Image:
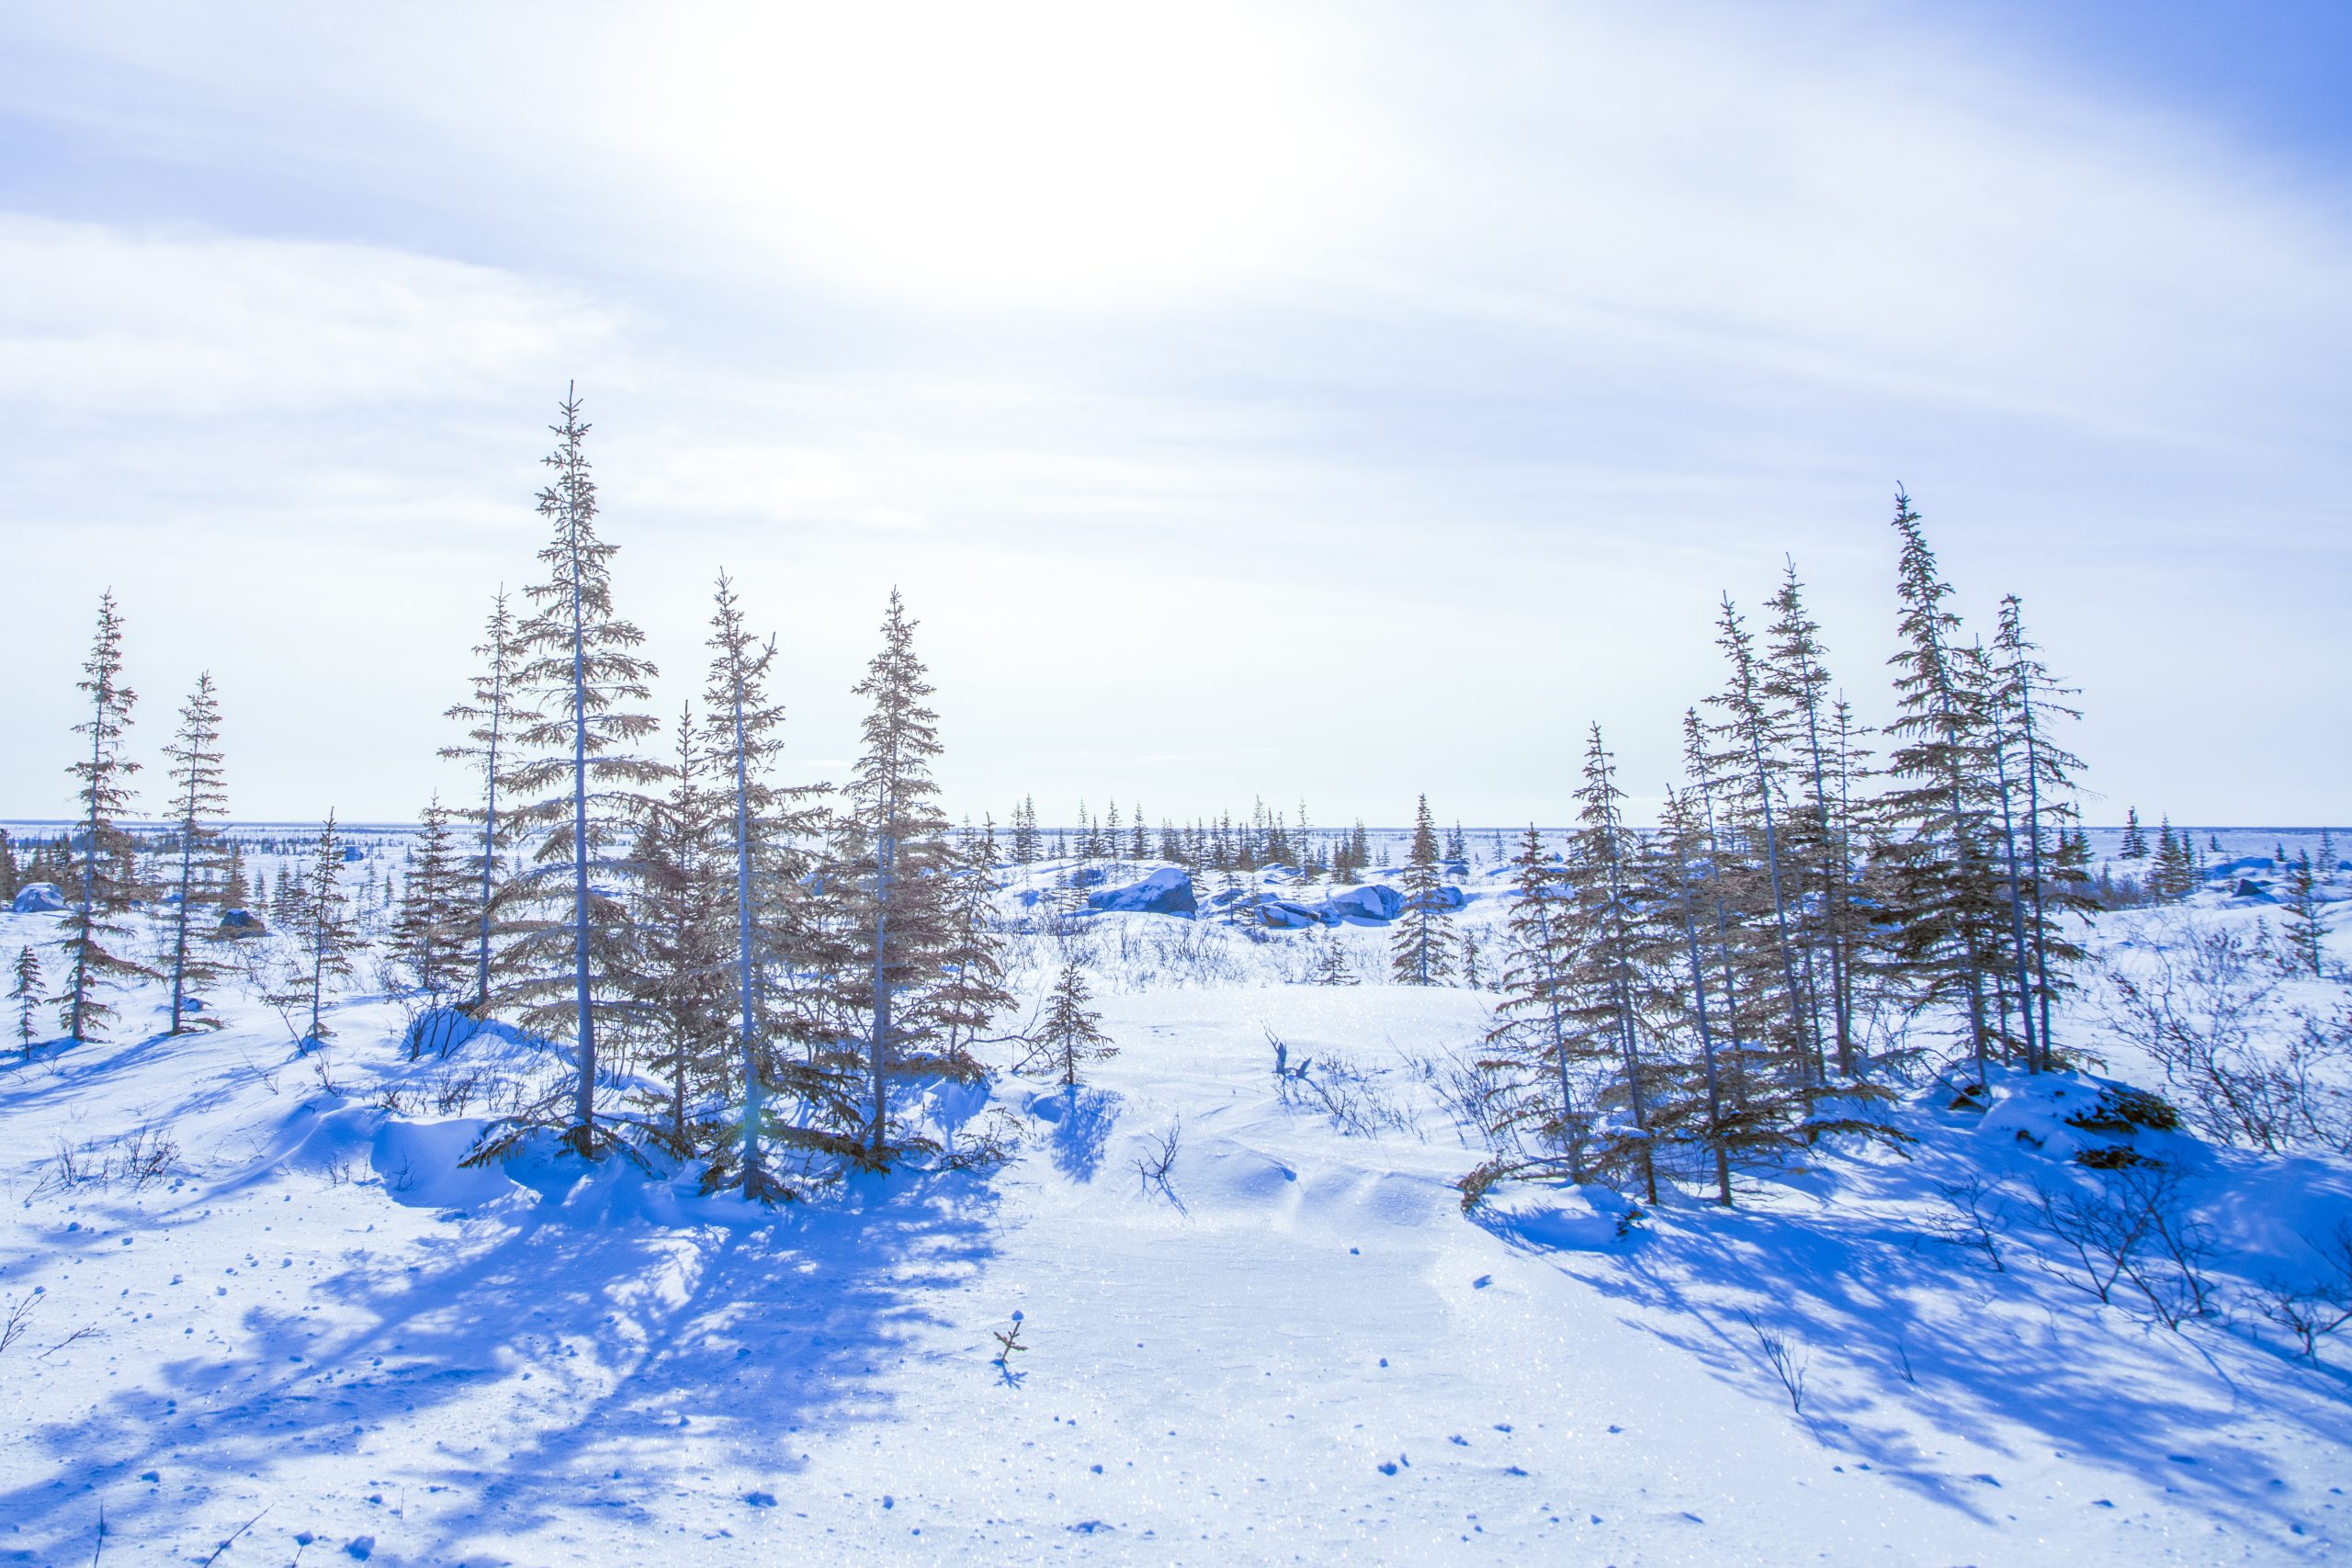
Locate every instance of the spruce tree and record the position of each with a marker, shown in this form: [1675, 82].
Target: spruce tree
[891, 855]
[763, 829]
[1797, 683]
[495, 714]
[2306, 924]
[199, 799]
[430, 933]
[1682, 874]
[1538, 1045]
[25, 991]
[235, 893]
[12, 877]
[1421, 950]
[1948, 912]
[1754, 731]
[682, 961]
[1070, 1034]
[1609, 985]
[569, 932]
[108, 870]
[327, 940]
[2030, 705]
[2135, 842]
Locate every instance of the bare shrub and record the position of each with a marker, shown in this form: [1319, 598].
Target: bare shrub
[1349, 1096]
[2251, 1069]
[2316, 1306]
[145, 1155]
[18, 1320]
[1152, 1168]
[1475, 1095]
[1980, 1217]
[2133, 1229]
[1788, 1361]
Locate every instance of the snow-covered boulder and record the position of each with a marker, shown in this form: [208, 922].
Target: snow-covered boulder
[241, 922]
[1283, 915]
[1448, 897]
[1166, 891]
[2249, 888]
[38, 898]
[1376, 902]
[353, 853]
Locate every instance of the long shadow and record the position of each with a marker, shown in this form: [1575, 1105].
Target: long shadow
[601, 1335]
[1988, 1358]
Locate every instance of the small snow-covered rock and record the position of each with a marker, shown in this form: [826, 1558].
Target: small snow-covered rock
[38, 898]
[1166, 891]
[1283, 915]
[241, 922]
[1376, 902]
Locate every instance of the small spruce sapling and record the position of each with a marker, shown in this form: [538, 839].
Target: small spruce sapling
[1070, 1034]
[25, 991]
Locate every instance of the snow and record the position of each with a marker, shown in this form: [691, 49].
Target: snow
[1300, 1349]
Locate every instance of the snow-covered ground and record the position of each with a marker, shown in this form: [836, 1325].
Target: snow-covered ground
[1300, 1349]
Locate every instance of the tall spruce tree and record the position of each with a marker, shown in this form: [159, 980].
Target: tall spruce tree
[1539, 1045]
[108, 871]
[891, 856]
[1683, 878]
[2031, 705]
[570, 934]
[495, 714]
[1421, 950]
[1610, 985]
[1948, 910]
[199, 798]
[764, 831]
[1796, 681]
[1751, 766]
[682, 959]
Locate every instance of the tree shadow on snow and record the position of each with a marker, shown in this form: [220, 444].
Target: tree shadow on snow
[1992, 1358]
[602, 1336]
[1081, 1120]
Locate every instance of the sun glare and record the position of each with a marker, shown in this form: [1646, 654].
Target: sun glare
[1067, 155]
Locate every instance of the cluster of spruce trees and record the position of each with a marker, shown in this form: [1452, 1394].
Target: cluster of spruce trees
[1224, 845]
[788, 963]
[106, 872]
[1711, 992]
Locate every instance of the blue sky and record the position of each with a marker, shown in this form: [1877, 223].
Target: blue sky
[1335, 401]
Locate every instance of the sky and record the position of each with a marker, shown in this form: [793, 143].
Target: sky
[1307, 402]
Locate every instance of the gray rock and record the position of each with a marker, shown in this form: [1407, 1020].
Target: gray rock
[1378, 902]
[38, 898]
[1166, 891]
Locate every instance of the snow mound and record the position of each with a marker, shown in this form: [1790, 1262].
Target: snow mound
[1562, 1218]
[2091, 1121]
